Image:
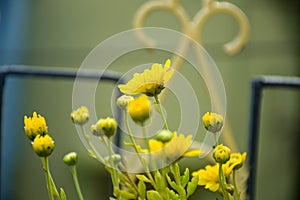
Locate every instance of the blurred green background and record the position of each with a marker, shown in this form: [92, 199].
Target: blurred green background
[61, 33]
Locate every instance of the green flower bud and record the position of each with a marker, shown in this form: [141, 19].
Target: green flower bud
[108, 126]
[71, 159]
[115, 158]
[43, 145]
[80, 116]
[221, 154]
[123, 101]
[213, 122]
[164, 136]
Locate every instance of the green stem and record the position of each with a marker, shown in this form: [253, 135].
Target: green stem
[223, 183]
[157, 102]
[47, 173]
[115, 178]
[145, 134]
[216, 139]
[236, 191]
[76, 182]
[147, 171]
[92, 148]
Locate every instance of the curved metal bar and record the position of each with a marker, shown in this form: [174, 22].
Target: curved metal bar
[151, 6]
[212, 8]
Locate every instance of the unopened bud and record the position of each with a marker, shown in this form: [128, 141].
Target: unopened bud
[71, 159]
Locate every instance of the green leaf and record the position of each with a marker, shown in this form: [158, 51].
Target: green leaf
[173, 195]
[172, 183]
[192, 186]
[143, 178]
[153, 195]
[142, 189]
[159, 181]
[62, 194]
[123, 194]
[185, 177]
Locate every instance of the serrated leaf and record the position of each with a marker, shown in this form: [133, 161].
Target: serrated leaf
[185, 177]
[175, 169]
[143, 178]
[192, 186]
[123, 194]
[172, 183]
[173, 195]
[142, 189]
[62, 194]
[153, 195]
[159, 181]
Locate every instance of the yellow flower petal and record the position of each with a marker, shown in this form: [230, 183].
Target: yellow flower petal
[150, 82]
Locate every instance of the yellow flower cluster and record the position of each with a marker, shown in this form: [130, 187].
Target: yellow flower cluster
[37, 131]
[209, 177]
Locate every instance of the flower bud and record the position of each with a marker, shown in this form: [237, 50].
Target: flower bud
[221, 154]
[213, 122]
[108, 126]
[237, 160]
[123, 101]
[164, 136]
[115, 158]
[71, 159]
[139, 109]
[80, 116]
[43, 146]
[35, 125]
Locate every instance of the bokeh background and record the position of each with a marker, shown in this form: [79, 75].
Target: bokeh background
[61, 33]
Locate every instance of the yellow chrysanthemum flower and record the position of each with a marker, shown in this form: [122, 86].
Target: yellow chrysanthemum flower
[139, 109]
[150, 82]
[35, 125]
[209, 177]
[177, 147]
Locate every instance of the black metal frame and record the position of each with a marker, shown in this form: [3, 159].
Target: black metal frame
[57, 73]
[258, 85]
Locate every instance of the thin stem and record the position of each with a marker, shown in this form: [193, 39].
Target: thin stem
[46, 170]
[236, 191]
[92, 148]
[115, 178]
[76, 182]
[145, 134]
[216, 139]
[157, 102]
[147, 171]
[223, 183]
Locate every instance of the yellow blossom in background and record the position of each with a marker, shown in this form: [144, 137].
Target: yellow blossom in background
[237, 160]
[43, 146]
[209, 177]
[35, 125]
[80, 116]
[139, 109]
[213, 122]
[178, 146]
[150, 82]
